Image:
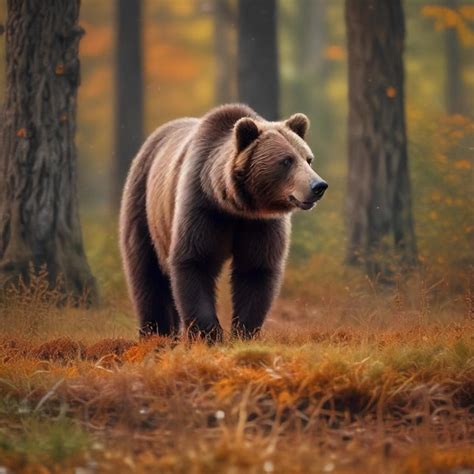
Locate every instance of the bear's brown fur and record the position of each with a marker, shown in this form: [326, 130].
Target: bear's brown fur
[201, 191]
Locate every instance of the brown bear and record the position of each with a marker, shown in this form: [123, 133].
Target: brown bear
[201, 191]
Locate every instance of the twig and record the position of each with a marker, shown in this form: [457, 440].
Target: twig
[49, 394]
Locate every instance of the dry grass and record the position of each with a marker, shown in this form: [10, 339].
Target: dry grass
[348, 377]
[304, 400]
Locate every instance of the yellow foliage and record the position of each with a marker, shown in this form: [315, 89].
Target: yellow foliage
[444, 17]
[467, 11]
[462, 165]
[457, 18]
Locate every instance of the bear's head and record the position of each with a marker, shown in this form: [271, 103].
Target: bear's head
[272, 165]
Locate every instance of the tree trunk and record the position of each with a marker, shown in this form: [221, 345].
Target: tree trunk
[128, 92]
[378, 193]
[225, 77]
[39, 219]
[258, 73]
[455, 100]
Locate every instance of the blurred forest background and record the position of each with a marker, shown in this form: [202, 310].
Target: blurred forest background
[187, 62]
[361, 368]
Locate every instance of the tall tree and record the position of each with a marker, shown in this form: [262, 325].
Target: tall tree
[258, 74]
[455, 99]
[39, 219]
[128, 91]
[378, 192]
[223, 19]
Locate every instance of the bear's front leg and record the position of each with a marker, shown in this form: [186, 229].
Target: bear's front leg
[252, 297]
[197, 254]
[194, 293]
[259, 253]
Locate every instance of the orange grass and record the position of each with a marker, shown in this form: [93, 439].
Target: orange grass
[348, 377]
[303, 401]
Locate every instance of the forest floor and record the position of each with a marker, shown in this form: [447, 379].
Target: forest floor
[79, 394]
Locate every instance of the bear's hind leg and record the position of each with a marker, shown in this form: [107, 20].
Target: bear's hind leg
[150, 288]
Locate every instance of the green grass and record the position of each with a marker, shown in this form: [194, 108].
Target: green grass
[37, 440]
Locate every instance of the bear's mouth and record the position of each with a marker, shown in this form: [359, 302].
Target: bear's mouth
[305, 205]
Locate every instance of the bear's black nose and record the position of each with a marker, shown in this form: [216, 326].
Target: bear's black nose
[318, 187]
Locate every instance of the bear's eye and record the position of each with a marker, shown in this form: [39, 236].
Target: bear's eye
[309, 160]
[287, 161]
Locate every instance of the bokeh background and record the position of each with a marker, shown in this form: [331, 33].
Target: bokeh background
[350, 374]
[182, 52]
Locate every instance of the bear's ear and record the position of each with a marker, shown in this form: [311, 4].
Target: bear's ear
[299, 124]
[246, 131]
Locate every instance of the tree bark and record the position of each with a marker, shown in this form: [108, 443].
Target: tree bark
[258, 73]
[225, 89]
[128, 92]
[379, 215]
[39, 219]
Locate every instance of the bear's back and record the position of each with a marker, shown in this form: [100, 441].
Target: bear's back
[202, 139]
[163, 181]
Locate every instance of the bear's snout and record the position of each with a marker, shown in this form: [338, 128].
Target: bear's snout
[318, 188]
[306, 195]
